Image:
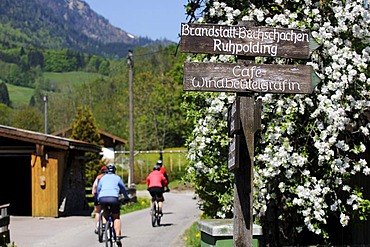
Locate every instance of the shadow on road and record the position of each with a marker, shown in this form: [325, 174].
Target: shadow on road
[167, 224]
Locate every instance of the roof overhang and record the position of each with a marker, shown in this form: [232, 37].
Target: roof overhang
[46, 140]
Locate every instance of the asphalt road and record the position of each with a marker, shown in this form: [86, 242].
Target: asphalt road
[180, 211]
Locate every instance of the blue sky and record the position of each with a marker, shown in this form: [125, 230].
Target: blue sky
[155, 19]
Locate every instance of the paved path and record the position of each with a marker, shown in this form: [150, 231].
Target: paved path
[180, 211]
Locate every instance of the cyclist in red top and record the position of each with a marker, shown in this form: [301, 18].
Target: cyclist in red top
[97, 206]
[156, 183]
[164, 172]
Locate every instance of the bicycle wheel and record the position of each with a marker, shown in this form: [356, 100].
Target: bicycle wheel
[100, 227]
[154, 213]
[109, 233]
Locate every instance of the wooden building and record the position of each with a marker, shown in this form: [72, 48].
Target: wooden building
[42, 175]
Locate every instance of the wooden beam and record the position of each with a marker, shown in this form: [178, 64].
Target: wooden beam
[243, 186]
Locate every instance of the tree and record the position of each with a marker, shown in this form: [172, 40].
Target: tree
[104, 68]
[35, 58]
[4, 94]
[84, 129]
[37, 99]
[5, 114]
[159, 121]
[94, 64]
[313, 148]
[29, 119]
[58, 61]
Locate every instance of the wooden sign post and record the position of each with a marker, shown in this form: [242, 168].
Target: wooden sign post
[246, 78]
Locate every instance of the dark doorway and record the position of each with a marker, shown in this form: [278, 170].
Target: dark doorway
[15, 184]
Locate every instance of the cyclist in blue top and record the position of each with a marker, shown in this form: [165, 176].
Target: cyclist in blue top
[110, 187]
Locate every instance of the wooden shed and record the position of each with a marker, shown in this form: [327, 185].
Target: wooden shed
[42, 175]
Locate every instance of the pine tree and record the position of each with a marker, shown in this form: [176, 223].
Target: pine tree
[85, 129]
[4, 94]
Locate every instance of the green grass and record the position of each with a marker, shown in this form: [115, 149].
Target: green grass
[191, 236]
[19, 96]
[142, 203]
[67, 79]
[174, 162]
[141, 186]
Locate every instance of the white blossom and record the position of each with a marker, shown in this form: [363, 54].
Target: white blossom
[335, 107]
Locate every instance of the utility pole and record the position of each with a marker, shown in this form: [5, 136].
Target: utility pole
[130, 62]
[46, 113]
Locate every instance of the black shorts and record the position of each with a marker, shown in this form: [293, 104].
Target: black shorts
[112, 202]
[156, 192]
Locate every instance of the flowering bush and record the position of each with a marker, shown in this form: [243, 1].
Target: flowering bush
[311, 146]
[208, 151]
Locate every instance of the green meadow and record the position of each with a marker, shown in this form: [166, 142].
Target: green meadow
[70, 79]
[20, 96]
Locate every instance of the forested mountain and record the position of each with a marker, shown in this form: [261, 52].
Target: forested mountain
[61, 24]
[61, 49]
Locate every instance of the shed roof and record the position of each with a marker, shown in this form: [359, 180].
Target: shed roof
[109, 139]
[47, 140]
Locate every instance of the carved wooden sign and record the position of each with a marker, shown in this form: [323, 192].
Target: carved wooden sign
[262, 78]
[246, 41]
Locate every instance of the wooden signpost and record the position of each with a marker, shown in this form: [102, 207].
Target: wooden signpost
[246, 78]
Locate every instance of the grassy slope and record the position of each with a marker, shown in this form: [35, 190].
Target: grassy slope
[70, 78]
[20, 96]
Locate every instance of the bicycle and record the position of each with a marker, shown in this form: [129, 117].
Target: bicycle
[155, 214]
[106, 229]
[101, 227]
